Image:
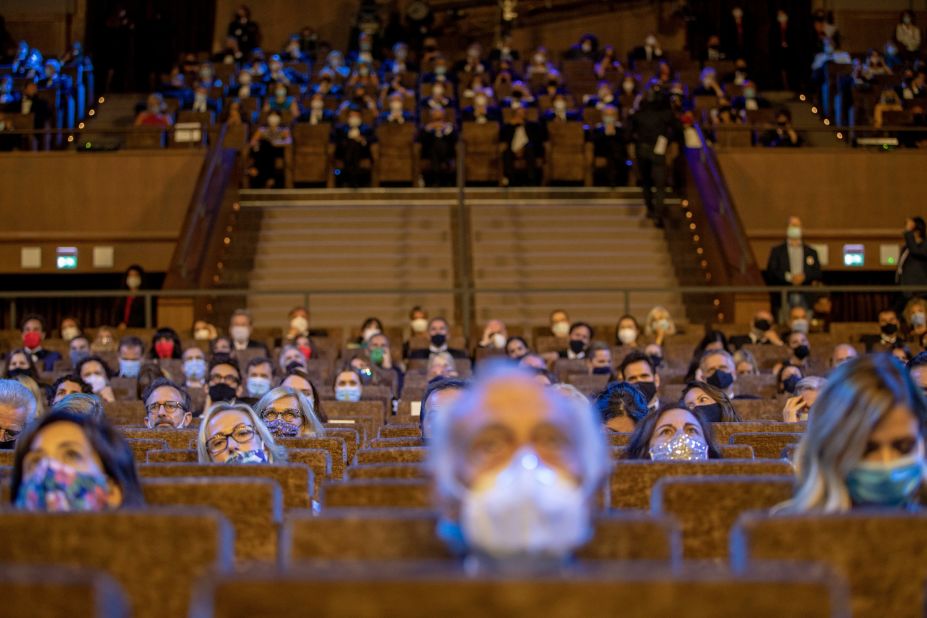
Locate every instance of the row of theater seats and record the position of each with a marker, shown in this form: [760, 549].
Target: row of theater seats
[375, 501]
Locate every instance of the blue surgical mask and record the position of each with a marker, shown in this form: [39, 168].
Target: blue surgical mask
[348, 393]
[890, 484]
[258, 387]
[77, 356]
[195, 368]
[129, 368]
[720, 379]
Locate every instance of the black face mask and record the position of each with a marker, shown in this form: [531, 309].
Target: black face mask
[601, 371]
[889, 329]
[438, 340]
[647, 389]
[721, 379]
[801, 352]
[9, 445]
[577, 346]
[711, 412]
[656, 360]
[221, 392]
[762, 325]
[789, 384]
[12, 374]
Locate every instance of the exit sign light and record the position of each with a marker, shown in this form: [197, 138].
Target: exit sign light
[66, 258]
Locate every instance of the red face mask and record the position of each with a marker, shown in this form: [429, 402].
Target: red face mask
[164, 348]
[32, 339]
[306, 350]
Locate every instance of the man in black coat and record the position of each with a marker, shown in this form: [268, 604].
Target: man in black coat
[653, 127]
[912, 263]
[522, 139]
[793, 263]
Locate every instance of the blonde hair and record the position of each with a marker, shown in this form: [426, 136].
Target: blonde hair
[858, 395]
[311, 422]
[275, 453]
[652, 317]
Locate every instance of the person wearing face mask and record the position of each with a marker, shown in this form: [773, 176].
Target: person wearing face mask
[244, 30]
[259, 376]
[194, 368]
[494, 336]
[248, 87]
[716, 367]
[709, 403]
[889, 333]
[70, 462]
[154, 115]
[637, 369]
[659, 325]
[915, 314]
[131, 353]
[908, 35]
[579, 338]
[395, 112]
[793, 263]
[201, 102]
[368, 329]
[587, 48]
[762, 332]
[559, 324]
[353, 142]
[33, 334]
[68, 384]
[438, 331]
[441, 365]
[610, 147]
[650, 51]
[750, 100]
[240, 327]
[798, 407]
[232, 433]
[129, 311]
[799, 320]
[517, 348]
[348, 386]
[288, 413]
[165, 344]
[787, 378]
[516, 467]
[18, 410]
[279, 100]
[912, 262]
[94, 371]
[482, 108]
[800, 348]
[267, 149]
[561, 111]
[674, 434]
[438, 139]
[599, 360]
[224, 380]
[864, 444]
[69, 328]
[167, 405]
[317, 113]
[783, 135]
[627, 332]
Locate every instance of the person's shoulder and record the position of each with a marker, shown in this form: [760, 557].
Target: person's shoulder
[418, 353]
[455, 353]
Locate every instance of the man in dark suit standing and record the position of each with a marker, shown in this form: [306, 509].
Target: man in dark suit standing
[522, 139]
[793, 263]
[240, 328]
[912, 263]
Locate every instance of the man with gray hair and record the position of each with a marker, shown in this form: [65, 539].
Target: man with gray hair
[17, 409]
[798, 408]
[517, 467]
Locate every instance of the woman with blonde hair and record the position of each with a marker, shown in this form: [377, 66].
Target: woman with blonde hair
[233, 433]
[659, 324]
[287, 413]
[864, 445]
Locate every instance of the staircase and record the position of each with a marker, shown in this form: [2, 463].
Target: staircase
[533, 243]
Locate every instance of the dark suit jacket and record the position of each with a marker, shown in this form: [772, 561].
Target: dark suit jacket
[424, 353]
[47, 359]
[534, 131]
[256, 345]
[136, 312]
[914, 269]
[778, 265]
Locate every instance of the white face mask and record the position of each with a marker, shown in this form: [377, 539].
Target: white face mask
[354, 121]
[300, 324]
[273, 121]
[69, 332]
[793, 232]
[627, 336]
[96, 381]
[498, 341]
[799, 326]
[395, 106]
[419, 325]
[480, 101]
[318, 105]
[560, 329]
[240, 334]
[437, 91]
[628, 86]
[134, 282]
[348, 393]
[201, 334]
[559, 105]
[244, 79]
[370, 332]
[527, 509]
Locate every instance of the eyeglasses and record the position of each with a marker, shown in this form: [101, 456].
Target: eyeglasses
[230, 379]
[171, 406]
[219, 443]
[8, 435]
[287, 415]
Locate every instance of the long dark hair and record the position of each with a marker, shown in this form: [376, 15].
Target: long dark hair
[728, 413]
[166, 333]
[32, 371]
[639, 445]
[711, 336]
[114, 452]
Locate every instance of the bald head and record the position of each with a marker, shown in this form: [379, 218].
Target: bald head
[842, 353]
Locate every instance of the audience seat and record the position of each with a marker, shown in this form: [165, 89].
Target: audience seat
[707, 507]
[312, 154]
[633, 480]
[319, 461]
[134, 547]
[350, 435]
[482, 162]
[400, 154]
[568, 156]
[254, 507]
[172, 456]
[395, 443]
[129, 412]
[426, 589]
[401, 431]
[55, 591]
[141, 447]
[296, 480]
[181, 439]
[759, 409]
[388, 471]
[724, 431]
[377, 493]
[335, 446]
[371, 415]
[881, 554]
[767, 445]
[407, 454]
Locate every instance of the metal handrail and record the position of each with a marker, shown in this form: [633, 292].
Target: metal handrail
[626, 292]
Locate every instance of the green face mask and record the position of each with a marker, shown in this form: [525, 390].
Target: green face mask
[376, 356]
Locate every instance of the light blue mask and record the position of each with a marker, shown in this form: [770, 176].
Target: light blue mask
[891, 484]
[129, 368]
[195, 368]
[348, 393]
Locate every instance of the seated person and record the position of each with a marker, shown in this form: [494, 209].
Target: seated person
[233, 434]
[609, 143]
[441, 365]
[439, 140]
[599, 360]
[280, 101]
[194, 368]
[224, 380]
[94, 371]
[659, 324]
[783, 135]
[522, 140]
[201, 101]
[798, 408]
[317, 113]
[353, 141]
[348, 386]
[520, 96]
[608, 63]
[438, 99]
[745, 363]
[864, 445]
[638, 369]
[674, 434]
[395, 112]
[131, 351]
[560, 112]
[33, 334]
[495, 335]
[167, 405]
[18, 409]
[268, 148]
[708, 84]
[437, 331]
[326, 86]
[68, 384]
[580, 336]
[762, 331]
[709, 402]
[889, 332]
[440, 395]
[154, 114]
[787, 378]
[602, 98]
[750, 100]
[517, 348]
[246, 88]
[288, 413]
[481, 111]
[842, 353]
[73, 462]
[240, 330]
[517, 469]
[259, 374]
[621, 406]
[797, 344]
[299, 380]
[716, 367]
